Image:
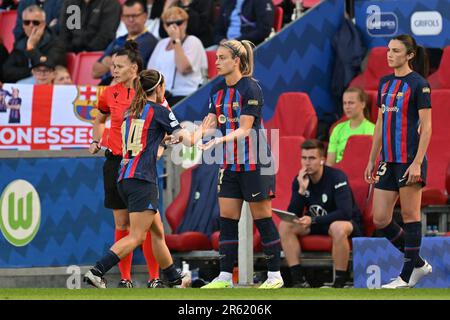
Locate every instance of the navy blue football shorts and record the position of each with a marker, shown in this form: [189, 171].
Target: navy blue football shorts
[390, 175]
[250, 186]
[138, 195]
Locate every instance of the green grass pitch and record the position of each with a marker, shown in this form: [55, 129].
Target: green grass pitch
[224, 294]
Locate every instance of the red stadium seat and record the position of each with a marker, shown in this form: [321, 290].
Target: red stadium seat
[441, 78]
[309, 3]
[212, 71]
[438, 151]
[7, 24]
[294, 116]
[186, 241]
[373, 94]
[71, 61]
[277, 2]
[342, 119]
[83, 68]
[377, 67]
[278, 19]
[356, 156]
[447, 179]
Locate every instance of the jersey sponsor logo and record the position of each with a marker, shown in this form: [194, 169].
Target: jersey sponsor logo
[222, 119]
[253, 102]
[317, 210]
[341, 184]
[174, 123]
[426, 90]
[389, 109]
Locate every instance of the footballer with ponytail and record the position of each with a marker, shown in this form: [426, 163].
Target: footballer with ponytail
[402, 135]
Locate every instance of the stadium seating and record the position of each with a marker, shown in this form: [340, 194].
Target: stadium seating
[278, 19]
[83, 68]
[441, 78]
[377, 67]
[294, 116]
[373, 94]
[71, 61]
[308, 3]
[438, 151]
[447, 179]
[186, 241]
[212, 71]
[7, 24]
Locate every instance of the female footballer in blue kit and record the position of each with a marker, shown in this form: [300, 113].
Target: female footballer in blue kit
[144, 128]
[235, 108]
[402, 133]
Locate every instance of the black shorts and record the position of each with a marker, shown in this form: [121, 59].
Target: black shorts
[322, 229]
[110, 175]
[139, 195]
[248, 185]
[390, 175]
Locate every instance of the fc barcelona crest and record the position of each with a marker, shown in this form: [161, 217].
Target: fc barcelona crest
[85, 104]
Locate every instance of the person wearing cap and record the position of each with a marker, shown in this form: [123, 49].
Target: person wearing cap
[40, 45]
[43, 73]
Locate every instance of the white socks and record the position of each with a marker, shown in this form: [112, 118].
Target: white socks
[271, 275]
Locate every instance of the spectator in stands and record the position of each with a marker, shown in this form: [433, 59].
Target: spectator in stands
[97, 26]
[9, 4]
[200, 23]
[43, 73]
[62, 76]
[355, 105]
[181, 58]
[244, 20]
[134, 15]
[330, 210]
[40, 45]
[402, 134]
[154, 12]
[52, 10]
[3, 56]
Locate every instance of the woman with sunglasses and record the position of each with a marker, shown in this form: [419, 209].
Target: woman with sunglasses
[181, 58]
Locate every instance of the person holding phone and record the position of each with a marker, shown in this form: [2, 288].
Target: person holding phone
[330, 210]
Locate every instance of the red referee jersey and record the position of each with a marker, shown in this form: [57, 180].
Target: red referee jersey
[114, 101]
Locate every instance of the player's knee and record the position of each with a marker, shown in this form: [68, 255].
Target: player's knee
[380, 223]
[285, 229]
[337, 231]
[138, 238]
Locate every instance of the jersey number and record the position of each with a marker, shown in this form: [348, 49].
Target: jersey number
[133, 145]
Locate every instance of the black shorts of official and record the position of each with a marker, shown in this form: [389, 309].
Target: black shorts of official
[322, 229]
[250, 186]
[139, 195]
[390, 175]
[110, 175]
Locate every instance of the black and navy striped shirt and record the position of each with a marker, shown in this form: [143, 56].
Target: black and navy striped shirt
[228, 103]
[400, 99]
[141, 138]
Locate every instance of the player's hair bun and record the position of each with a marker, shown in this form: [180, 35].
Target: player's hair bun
[131, 45]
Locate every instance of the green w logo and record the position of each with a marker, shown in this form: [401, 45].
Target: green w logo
[20, 218]
[20, 212]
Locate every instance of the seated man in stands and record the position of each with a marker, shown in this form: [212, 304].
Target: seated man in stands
[52, 10]
[355, 105]
[94, 29]
[134, 15]
[39, 45]
[244, 20]
[330, 210]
